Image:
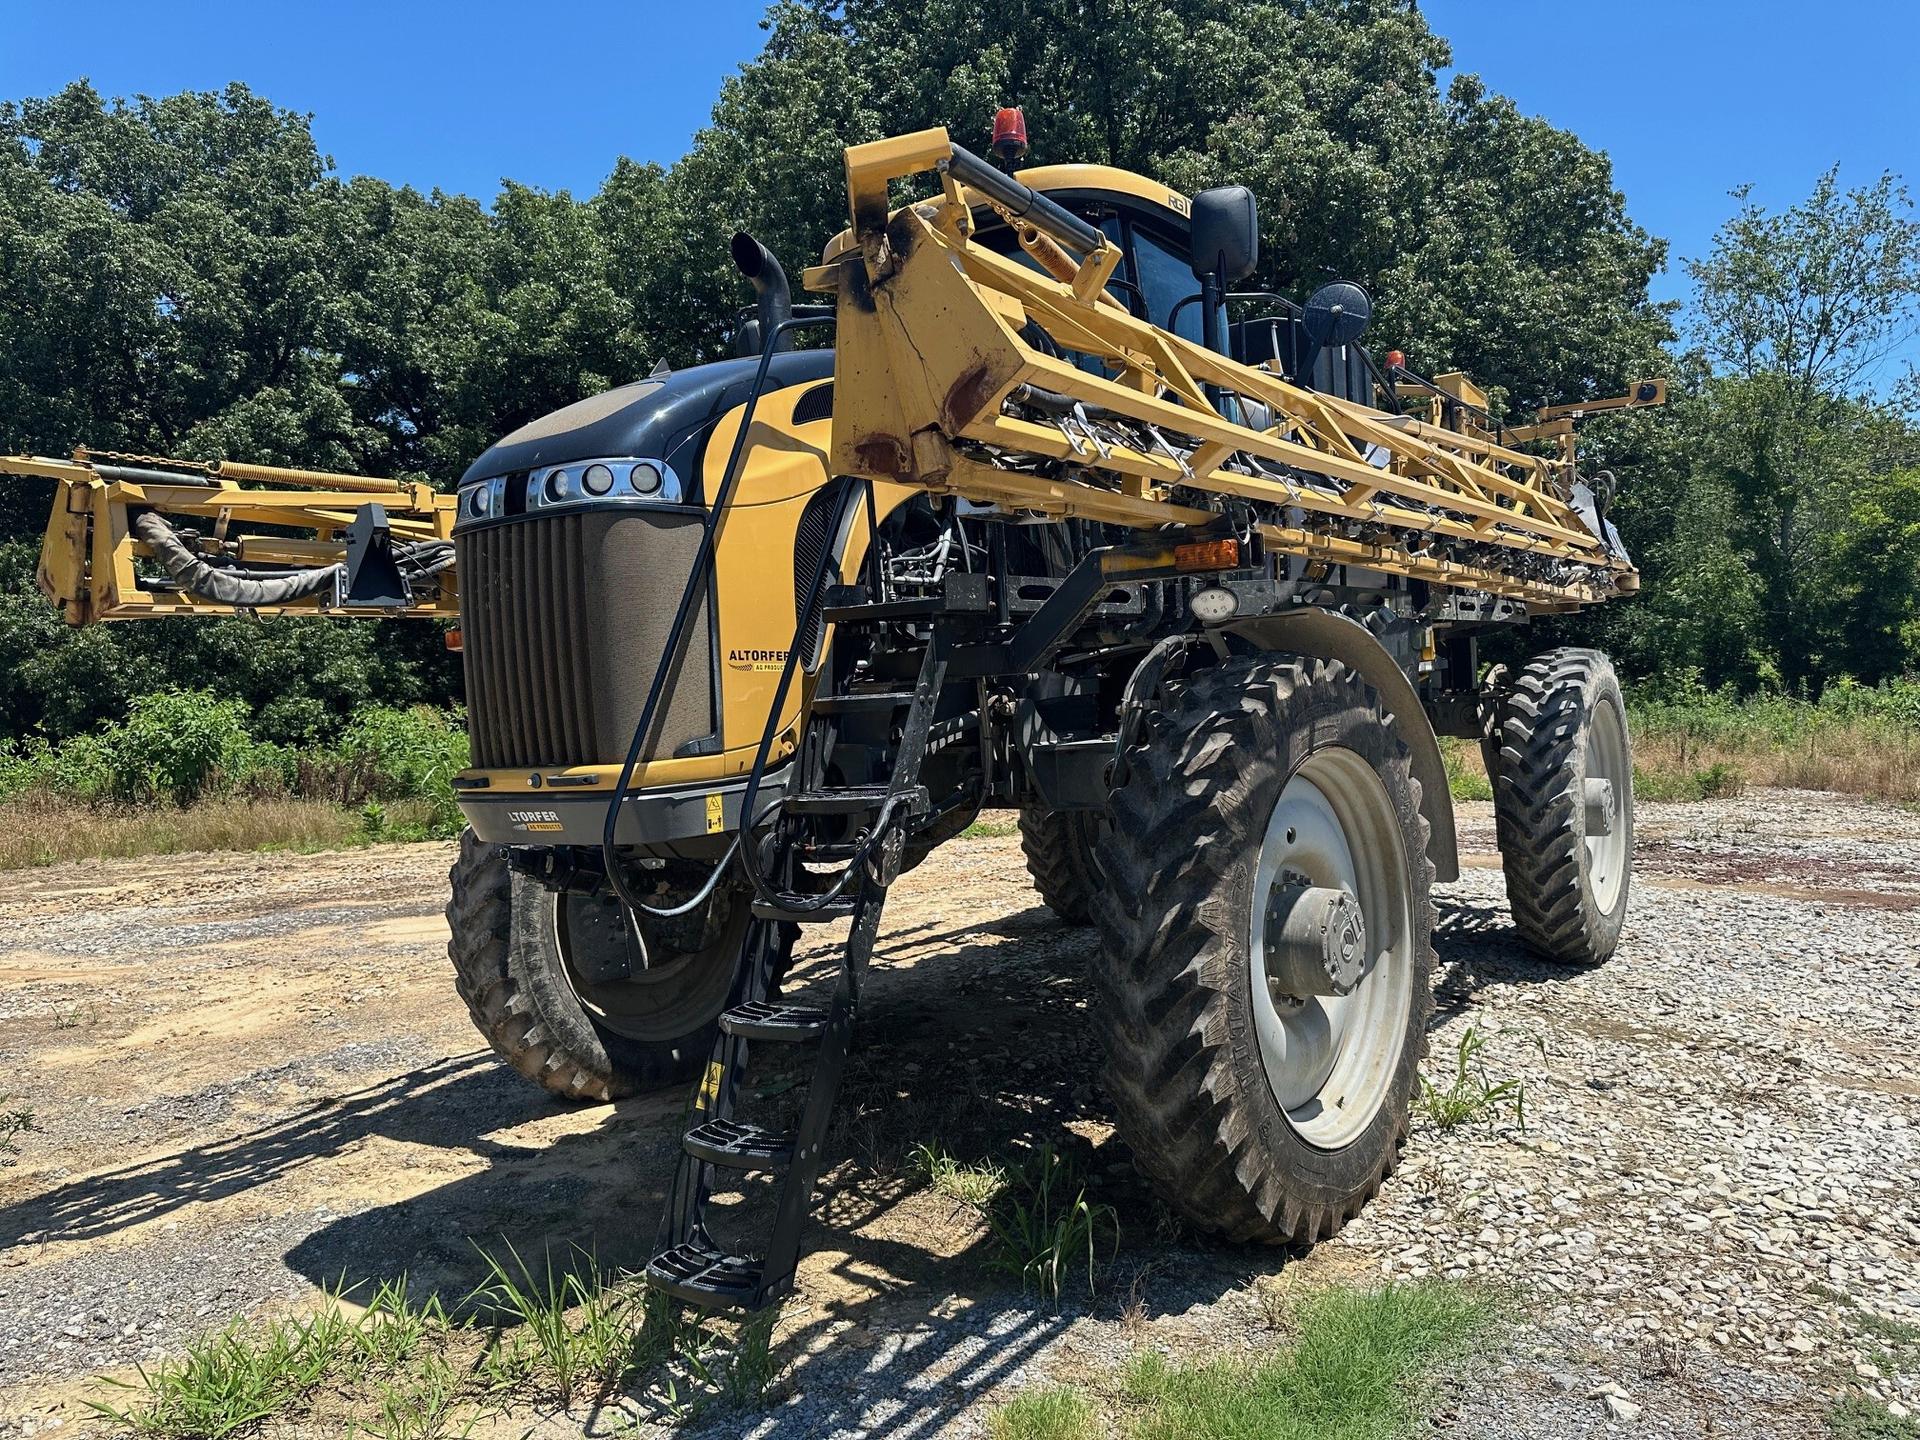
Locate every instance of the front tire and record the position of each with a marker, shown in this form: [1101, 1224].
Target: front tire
[1257, 1112]
[1563, 805]
[532, 968]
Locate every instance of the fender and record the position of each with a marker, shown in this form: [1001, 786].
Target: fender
[1330, 635]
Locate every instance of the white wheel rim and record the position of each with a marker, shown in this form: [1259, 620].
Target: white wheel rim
[1330, 1061]
[1607, 760]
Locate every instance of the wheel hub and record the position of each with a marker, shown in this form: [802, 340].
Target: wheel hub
[1315, 942]
[1600, 806]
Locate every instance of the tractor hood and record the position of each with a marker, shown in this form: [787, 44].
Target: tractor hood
[665, 417]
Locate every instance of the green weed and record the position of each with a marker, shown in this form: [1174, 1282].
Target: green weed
[1353, 1372]
[1043, 1224]
[233, 1378]
[1855, 1417]
[420, 1404]
[1470, 1095]
[573, 1330]
[15, 1121]
[974, 1185]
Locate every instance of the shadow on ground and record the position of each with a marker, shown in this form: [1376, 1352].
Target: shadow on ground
[974, 1037]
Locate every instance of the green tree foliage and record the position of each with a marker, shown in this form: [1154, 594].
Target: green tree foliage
[189, 276]
[1773, 507]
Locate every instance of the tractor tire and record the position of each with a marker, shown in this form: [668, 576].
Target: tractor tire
[581, 1039]
[1059, 846]
[1258, 1110]
[1563, 805]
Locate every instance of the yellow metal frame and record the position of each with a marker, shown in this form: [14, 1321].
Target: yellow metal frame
[88, 557]
[929, 349]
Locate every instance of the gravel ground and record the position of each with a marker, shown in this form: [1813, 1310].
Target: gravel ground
[250, 1076]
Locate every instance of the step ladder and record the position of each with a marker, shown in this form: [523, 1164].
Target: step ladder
[865, 827]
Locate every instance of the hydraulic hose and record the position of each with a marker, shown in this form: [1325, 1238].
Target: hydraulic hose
[226, 585]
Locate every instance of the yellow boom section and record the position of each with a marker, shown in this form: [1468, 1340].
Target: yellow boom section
[937, 385]
[266, 530]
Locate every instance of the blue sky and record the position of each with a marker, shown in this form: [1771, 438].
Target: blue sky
[1689, 97]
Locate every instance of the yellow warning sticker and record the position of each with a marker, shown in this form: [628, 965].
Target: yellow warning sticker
[709, 1092]
[552, 825]
[716, 815]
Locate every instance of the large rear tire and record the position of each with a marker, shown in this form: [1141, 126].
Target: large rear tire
[1563, 805]
[533, 970]
[1258, 1109]
[1059, 846]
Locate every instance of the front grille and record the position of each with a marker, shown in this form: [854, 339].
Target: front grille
[564, 619]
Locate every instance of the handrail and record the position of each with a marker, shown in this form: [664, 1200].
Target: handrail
[697, 578]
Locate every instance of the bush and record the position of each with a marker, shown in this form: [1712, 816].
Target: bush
[76, 767]
[406, 753]
[177, 744]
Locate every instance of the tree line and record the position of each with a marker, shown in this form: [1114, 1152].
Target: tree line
[189, 276]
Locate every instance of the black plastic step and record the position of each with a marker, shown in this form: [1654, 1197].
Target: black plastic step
[863, 702]
[702, 1274]
[803, 909]
[739, 1146]
[774, 1020]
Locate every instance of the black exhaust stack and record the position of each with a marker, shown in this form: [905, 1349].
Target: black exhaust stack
[769, 283]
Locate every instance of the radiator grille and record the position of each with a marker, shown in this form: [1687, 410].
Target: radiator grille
[564, 618]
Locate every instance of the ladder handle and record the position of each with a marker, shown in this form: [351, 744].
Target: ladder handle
[697, 577]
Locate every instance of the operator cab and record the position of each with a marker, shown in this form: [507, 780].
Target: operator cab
[1154, 228]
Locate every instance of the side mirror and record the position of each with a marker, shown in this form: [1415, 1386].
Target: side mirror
[1226, 233]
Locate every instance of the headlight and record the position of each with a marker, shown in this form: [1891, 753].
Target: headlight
[645, 480]
[598, 479]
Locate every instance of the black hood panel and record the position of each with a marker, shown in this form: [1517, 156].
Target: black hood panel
[661, 419]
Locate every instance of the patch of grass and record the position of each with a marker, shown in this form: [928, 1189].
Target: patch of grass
[1354, 1372]
[405, 1369]
[1043, 1224]
[573, 1332]
[1056, 1413]
[1855, 740]
[233, 1379]
[40, 830]
[974, 1185]
[1854, 1417]
[419, 1405]
[1466, 775]
[1717, 781]
[1470, 1095]
[992, 829]
[393, 1329]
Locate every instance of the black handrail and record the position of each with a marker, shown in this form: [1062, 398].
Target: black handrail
[697, 579]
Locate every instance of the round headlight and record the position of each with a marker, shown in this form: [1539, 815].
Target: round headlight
[477, 501]
[557, 485]
[645, 480]
[598, 479]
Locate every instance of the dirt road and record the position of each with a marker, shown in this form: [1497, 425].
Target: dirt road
[249, 1075]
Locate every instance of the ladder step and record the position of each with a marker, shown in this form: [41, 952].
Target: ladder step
[703, 1274]
[849, 800]
[774, 1020]
[739, 1146]
[866, 701]
[803, 909]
